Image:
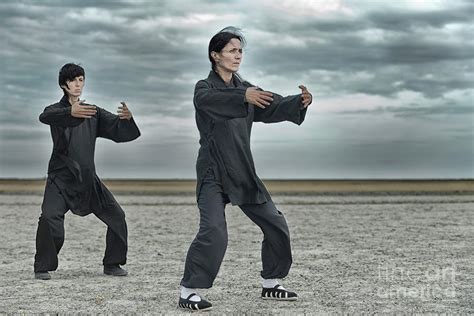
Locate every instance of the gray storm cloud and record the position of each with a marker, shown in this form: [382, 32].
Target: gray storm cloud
[374, 70]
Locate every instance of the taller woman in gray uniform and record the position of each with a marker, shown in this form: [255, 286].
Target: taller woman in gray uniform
[226, 107]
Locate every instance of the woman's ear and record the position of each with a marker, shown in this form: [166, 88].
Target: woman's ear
[215, 56]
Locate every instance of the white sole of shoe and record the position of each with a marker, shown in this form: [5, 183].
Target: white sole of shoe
[280, 299]
[195, 310]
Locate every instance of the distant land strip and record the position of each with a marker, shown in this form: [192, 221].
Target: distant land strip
[172, 186]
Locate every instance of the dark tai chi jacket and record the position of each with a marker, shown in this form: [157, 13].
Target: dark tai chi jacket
[224, 120]
[71, 166]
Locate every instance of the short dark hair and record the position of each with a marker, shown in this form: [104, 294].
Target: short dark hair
[220, 40]
[68, 72]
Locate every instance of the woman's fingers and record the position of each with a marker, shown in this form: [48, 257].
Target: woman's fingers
[266, 98]
[88, 113]
[306, 100]
[81, 110]
[260, 104]
[306, 96]
[83, 116]
[302, 87]
[88, 110]
[266, 93]
[259, 98]
[123, 112]
[88, 107]
[263, 102]
[304, 91]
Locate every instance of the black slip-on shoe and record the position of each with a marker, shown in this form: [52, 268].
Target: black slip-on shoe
[115, 270]
[278, 294]
[187, 304]
[44, 275]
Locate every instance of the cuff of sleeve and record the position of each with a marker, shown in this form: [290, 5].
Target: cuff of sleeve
[299, 115]
[67, 111]
[245, 103]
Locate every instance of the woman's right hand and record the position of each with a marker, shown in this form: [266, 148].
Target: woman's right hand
[82, 111]
[258, 97]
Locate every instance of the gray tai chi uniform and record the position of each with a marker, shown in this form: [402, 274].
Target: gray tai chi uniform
[73, 184]
[226, 173]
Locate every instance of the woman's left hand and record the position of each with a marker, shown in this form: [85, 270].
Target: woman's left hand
[306, 97]
[123, 112]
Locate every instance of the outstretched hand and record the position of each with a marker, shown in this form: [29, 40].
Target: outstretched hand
[123, 112]
[81, 110]
[306, 97]
[258, 97]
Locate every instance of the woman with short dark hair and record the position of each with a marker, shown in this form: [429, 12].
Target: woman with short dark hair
[72, 182]
[226, 107]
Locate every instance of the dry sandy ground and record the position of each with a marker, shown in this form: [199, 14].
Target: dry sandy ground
[352, 253]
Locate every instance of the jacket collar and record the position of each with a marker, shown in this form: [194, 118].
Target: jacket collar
[65, 101]
[217, 80]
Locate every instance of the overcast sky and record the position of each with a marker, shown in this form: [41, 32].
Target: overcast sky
[392, 82]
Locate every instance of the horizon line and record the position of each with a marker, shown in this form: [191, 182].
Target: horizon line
[263, 179]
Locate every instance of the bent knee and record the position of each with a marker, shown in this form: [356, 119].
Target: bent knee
[51, 218]
[115, 212]
[214, 232]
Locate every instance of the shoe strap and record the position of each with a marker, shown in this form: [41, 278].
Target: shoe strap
[191, 295]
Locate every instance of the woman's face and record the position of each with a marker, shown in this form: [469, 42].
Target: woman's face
[230, 57]
[74, 87]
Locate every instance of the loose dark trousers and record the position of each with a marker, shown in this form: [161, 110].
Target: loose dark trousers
[206, 252]
[50, 234]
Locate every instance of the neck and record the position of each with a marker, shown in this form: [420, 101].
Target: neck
[72, 99]
[225, 75]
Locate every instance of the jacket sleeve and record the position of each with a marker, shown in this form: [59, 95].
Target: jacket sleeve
[59, 115]
[110, 126]
[220, 103]
[282, 109]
